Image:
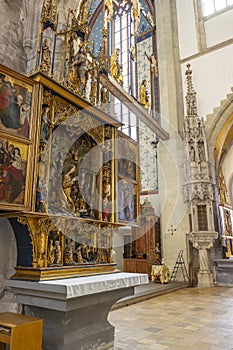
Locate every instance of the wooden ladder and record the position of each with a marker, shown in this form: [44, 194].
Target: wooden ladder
[180, 263]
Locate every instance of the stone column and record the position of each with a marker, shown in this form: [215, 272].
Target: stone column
[204, 241]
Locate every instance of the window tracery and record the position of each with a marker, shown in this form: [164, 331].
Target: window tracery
[132, 32]
[212, 6]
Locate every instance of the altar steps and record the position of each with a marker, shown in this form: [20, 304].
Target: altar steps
[147, 291]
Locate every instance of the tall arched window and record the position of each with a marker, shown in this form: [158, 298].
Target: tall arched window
[136, 39]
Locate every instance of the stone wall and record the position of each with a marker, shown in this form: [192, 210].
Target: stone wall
[11, 35]
[19, 32]
[8, 256]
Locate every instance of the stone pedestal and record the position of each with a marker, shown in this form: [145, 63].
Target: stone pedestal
[224, 272]
[75, 310]
[203, 240]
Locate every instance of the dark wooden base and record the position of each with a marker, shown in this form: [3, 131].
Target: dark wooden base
[138, 265]
[60, 272]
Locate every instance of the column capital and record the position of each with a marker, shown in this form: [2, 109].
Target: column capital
[203, 239]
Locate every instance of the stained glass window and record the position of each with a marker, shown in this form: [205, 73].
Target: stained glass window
[135, 65]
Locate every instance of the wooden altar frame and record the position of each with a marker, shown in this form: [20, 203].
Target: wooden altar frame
[18, 108]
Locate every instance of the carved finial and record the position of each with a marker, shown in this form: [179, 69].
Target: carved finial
[188, 74]
[49, 14]
[191, 101]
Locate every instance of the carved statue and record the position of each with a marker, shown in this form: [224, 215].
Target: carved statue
[69, 253]
[51, 253]
[45, 56]
[91, 253]
[45, 123]
[116, 67]
[112, 256]
[93, 92]
[201, 151]
[157, 253]
[79, 255]
[101, 256]
[136, 15]
[57, 251]
[192, 153]
[106, 202]
[133, 53]
[153, 64]
[81, 69]
[143, 94]
[41, 245]
[223, 193]
[104, 98]
[109, 10]
[68, 183]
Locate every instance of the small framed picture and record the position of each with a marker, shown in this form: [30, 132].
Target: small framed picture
[17, 102]
[18, 128]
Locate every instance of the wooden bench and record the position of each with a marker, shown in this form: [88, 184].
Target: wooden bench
[21, 332]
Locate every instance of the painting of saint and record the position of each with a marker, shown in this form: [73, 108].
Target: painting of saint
[15, 106]
[126, 201]
[127, 158]
[13, 163]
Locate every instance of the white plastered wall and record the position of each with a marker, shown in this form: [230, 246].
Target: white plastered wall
[186, 28]
[212, 78]
[219, 28]
[212, 68]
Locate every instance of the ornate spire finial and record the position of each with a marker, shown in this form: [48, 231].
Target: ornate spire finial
[49, 14]
[188, 74]
[191, 101]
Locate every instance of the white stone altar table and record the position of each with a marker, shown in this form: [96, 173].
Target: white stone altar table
[75, 310]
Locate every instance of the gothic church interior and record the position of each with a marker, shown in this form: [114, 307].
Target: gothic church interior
[116, 129]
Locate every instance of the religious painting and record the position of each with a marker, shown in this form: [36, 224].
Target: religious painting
[13, 173]
[16, 96]
[127, 200]
[227, 222]
[127, 157]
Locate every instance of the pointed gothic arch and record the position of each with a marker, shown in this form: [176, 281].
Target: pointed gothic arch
[219, 128]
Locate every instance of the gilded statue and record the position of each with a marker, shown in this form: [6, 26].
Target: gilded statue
[101, 256]
[68, 184]
[58, 255]
[116, 67]
[69, 253]
[143, 94]
[93, 92]
[109, 10]
[51, 253]
[45, 56]
[41, 245]
[79, 256]
[223, 192]
[136, 15]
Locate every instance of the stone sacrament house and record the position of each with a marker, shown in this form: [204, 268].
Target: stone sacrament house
[115, 139]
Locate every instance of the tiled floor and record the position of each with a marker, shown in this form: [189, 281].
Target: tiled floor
[189, 318]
